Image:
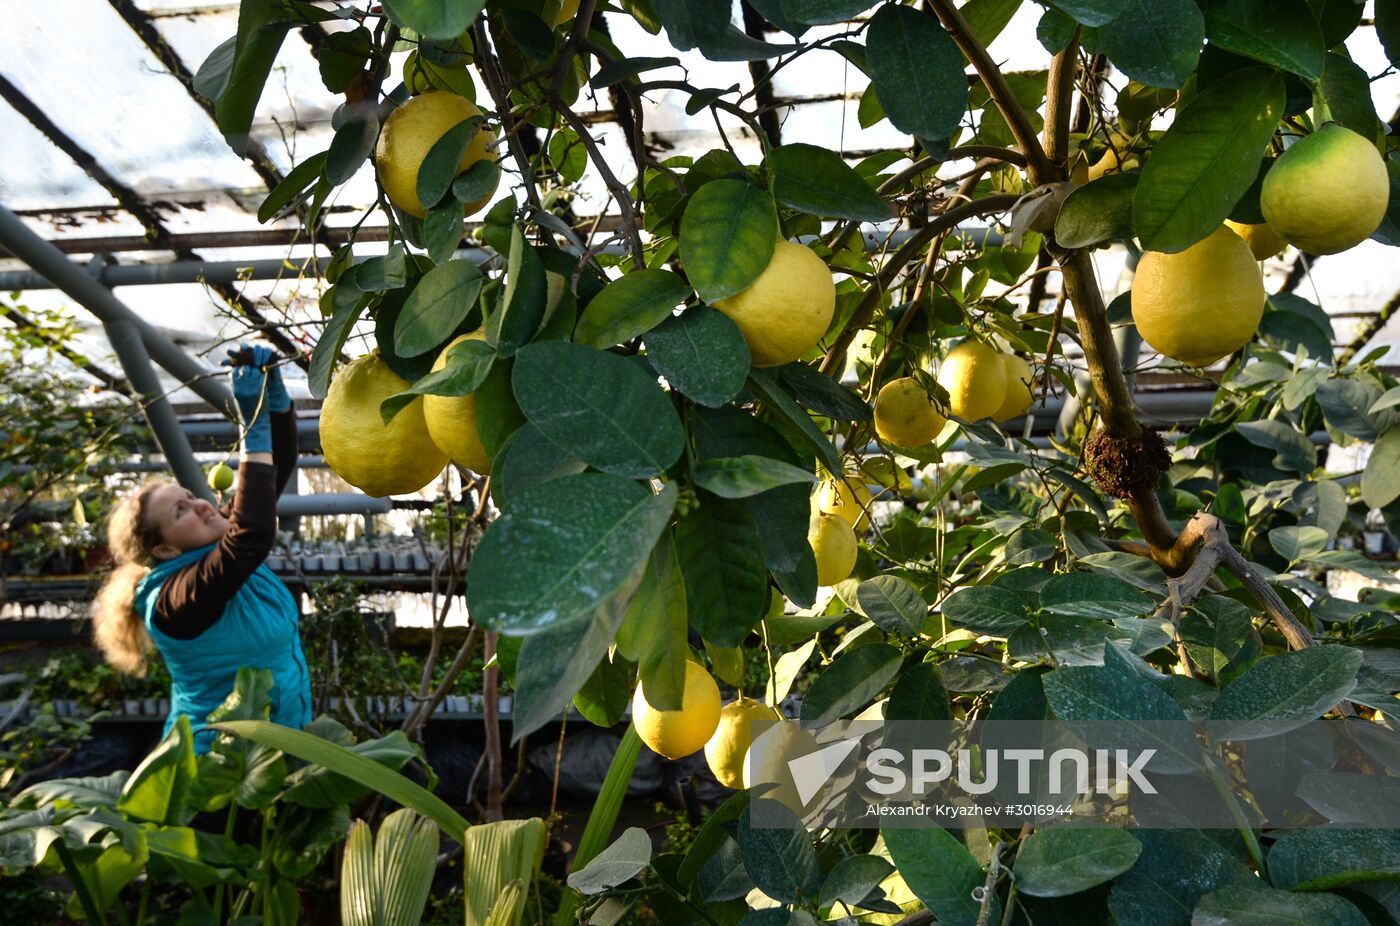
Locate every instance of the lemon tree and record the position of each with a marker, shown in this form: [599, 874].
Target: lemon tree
[776, 419]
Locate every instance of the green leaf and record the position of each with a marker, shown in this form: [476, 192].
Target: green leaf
[728, 235]
[293, 187]
[740, 477]
[1250, 903]
[1309, 855]
[919, 694]
[625, 68]
[1294, 543]
[604, 697]
[319, 786]
[248, 773]
[351, 145]
[433, 19]
[893, 604]
[343, 56]
[917, 71]
[816, 180]
[720, 553]
[157, 789]
[619, 862]
[1098, 212]
[528, 458]
[1286, 691]
[988, 609]
[1065, 641]
[853, 878]
[561, 548]
[1063, 860]
[497, 414]
[1086, 594]
[466, 369]
[1292, 450]
[1347, 89]
[475, 183]
[495, 892]
[1283, 33]
[711, 835]
[437, 305]
[941, 872]
[701, 353]
[987, 18]
[384, 273]
[1380, 481]
[1155, 42]
[630, 306]
[1354, 561]
[654, 629]
[440, 164]
[442, 230]
[1388, 27]
[794, 15]
[342, 761]
[262, 25]
[1207, 159]
[522, 305]
[779, 858]
[764, 385]
[850, 683]
[348, 303]
[1176, 868]
[822, 394]
[600, 407]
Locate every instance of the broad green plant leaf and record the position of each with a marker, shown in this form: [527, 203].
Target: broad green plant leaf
[522, 306]
[528, 458]
[894, 604]
[853, 879]
[741, 477]
[988, 609]
[507, 852]
[603, 699]
[342, 761]
[293, 188]
[1175, 869]
[780, 859]
[1092, 12]
[598, 406]
[352, 144]
[720, 552]
[1285, 691]
[654, 629]
[320, 786]
[701, 353]
[475, 183]
[561, 549]
[812, 179]
[1087, 594]
[822, 394]
[467, 367]
[765, 385]
[438, 304]
[629, 306]
[987, 18]
[1250, 903]
[1380, 481]
[1283, 33]
[1294, 542]
[603, 817]
[433, 19]
[724, 876]
[619, 862]
[850, 683]
[1324, 857]
[439, 167]
[1155, 42]
[1207, 159]
[347, 303]
[249, 773]
[919, 694]
[1062, 860]
[157, 789]
[728, 235]
[238, 74]
[1292, 450]
[941, 872]
[917, 71]
[1098, 212]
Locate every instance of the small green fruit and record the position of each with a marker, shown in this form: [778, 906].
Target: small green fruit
[220, 477]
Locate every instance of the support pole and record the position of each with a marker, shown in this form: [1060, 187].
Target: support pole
[136, 364]
[39, 254]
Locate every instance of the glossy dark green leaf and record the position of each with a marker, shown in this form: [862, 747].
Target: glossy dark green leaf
[1098, 212]
[1388, 28]
[728, 234]
[240, 73]
[521, 309]
[1294, 542]
[1175, 869]
[780, 859]
[893, 604]
[853, 878]
[157, 789]
[765, 385]
[317, 786]
[1283, 33]
[987, 609]
[1092, 12]
[1292, 450]
[701, 353]
[720, 552]
[1063, 641]
[1380, 481]
[941, 872]
[741, 477]
[654, 629]
[850, 683]
[1087, 594]
[624, 68]
[619, 862]
[1285, 691]
[498, 416]
[600, 407]
[917, 70]
[351, 145]
[1064, 860]
[475, 183]
[1250, 903]
[724, 876]
[816, 180]
[433, 19]
[1338, 19]
[629, 306]
[293, 187]
[1341, 855]
[528, 458]
[347, 304]
[343, 56]
[1155, 42]
[1347, 89]
[794, 15]
[987, 18]
[381, 274]
[604, 697]
[438, 304]
[561, 548]
[710, 836]
[822, 394]
[442, 230]
[1207, 159]
[919, 694]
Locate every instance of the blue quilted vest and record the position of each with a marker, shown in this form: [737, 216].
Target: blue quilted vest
[259, 629]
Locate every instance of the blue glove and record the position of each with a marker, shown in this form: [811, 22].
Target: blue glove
[277, 398]
[249, 385]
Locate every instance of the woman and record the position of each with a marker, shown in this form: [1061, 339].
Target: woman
[191, 579]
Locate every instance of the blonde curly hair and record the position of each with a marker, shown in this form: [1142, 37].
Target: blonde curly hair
[118, 630]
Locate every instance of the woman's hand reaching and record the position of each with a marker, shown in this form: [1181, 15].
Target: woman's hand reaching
[253, 390]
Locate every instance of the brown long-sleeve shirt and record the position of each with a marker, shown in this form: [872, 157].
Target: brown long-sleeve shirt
[193, 599]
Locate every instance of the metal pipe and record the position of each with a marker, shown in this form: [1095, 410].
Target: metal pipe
[97, 299]
[297, 506]
[165, 427]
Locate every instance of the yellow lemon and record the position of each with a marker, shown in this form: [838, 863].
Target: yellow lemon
[785, 312]
[725, 751]
[451, 419]
[410, 133]
[1201, 304]
[905, 414]
[1111, 162]
[568, 9]
[766, 766]
[1326, 193]
[975, 379]
[1019, 389]
[833, 542]
[377, 458]
[678, 733]
[1263, 242]
[220, 477]
[848, 498]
